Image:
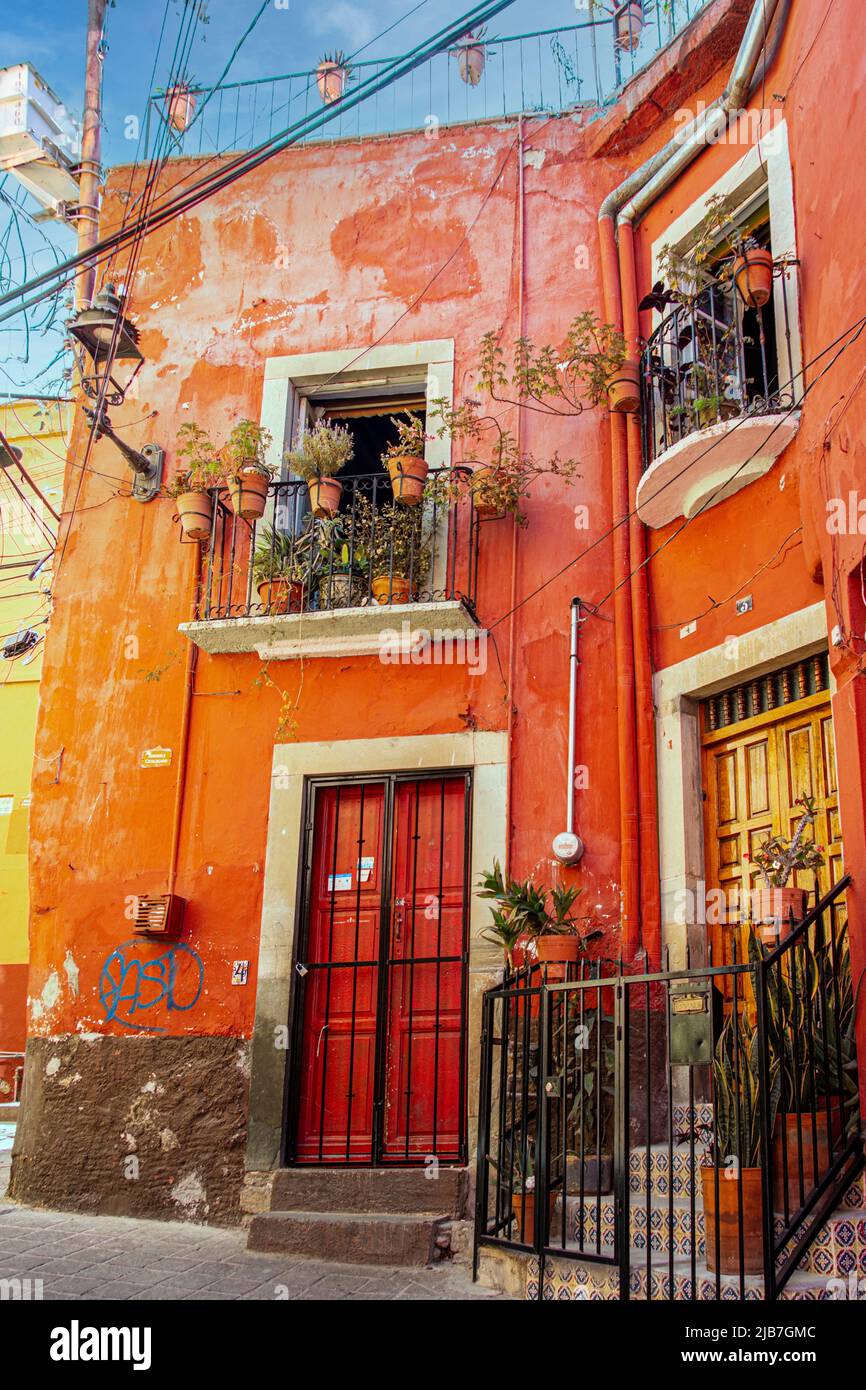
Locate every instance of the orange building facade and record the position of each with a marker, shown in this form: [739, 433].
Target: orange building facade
[216, 754]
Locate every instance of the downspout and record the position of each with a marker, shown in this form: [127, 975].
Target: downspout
[620, 210]
[183, 741]
[521, 267]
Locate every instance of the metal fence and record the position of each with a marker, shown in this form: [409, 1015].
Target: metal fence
[373, 550]
[551, 70]
[714, 359]
[682, 1134]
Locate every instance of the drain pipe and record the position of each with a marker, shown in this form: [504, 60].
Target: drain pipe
[567, 846]
[621, 209]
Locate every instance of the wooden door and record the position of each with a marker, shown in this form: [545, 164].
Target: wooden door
[753, 774]
[380, 1054]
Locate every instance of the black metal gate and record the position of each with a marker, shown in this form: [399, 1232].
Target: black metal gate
[678, 1134]
[378, 1074]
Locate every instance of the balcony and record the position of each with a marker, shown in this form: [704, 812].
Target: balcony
[719, 387]
[377, 578]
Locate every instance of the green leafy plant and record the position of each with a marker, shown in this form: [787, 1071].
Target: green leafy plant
[737, 1132]
[391, 540]
[589, 1121]
[245, 448]
[321, 452]
[280, 555]
[202, 467]
[527, 911]
[778, 857]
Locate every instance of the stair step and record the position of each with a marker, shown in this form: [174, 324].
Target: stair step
[577, 1279]
[379, 1190]
[348, 1237]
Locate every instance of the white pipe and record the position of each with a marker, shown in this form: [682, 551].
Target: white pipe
[572, 710]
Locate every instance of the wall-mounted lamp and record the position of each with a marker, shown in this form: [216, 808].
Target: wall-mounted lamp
[111, 343]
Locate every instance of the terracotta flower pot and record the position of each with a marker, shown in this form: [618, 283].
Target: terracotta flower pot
[481, 500]
[798, 1140]
[774, 906]
[195, 510]
[281, 596]
[340, 591]
[408, 475]
[629, 26]
[470, 62]
[523, 1206]
[248, 493]
[390, 589]
[325, 494]
[558, 950]
[749, 1183]
[623, 390]
[753, 276]
[331, 81]
[180, 104]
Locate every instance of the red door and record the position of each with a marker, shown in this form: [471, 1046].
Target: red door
[380, 1060]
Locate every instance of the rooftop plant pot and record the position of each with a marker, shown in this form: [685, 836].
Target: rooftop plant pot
[623, 390]
[281, 595]
[798, 1132]
[325, 494]
[408, 474]
[195, 510]
[180, 105]
[471, 58]
[331, 80]
[775, 905]
[749, 1183]
[753, 276]
[558, 950]
[248, 493]
[629, 25]
[390, 589]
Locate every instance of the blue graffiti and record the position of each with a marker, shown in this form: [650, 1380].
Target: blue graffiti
[129, 985]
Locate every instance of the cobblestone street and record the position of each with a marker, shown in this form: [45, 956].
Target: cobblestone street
[105, 1257]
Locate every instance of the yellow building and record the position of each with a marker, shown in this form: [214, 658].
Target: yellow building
[39, 428]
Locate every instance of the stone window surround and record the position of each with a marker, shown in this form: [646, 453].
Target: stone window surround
[677, 690]
[485, 755]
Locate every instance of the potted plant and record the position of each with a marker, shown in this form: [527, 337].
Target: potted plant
[247, 474]
[550, 932]
[559, 940]
[332, 74]
[192, 485]
[281, 571]
[318, 456]
[405, 461]
[341, 582]
[817, 1065]
[589, 1124]
[180, 105]
[392, 549]
[519, 913]
[731, 1172]
[753, 273]
[471, 54]
[777, 858]
[498, 489]
[629, 25]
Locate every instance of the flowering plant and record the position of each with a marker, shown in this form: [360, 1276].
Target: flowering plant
[779, 857]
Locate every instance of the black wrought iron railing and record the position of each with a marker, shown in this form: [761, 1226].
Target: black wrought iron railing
[682, 1134]
[372, 550]
[713, 359]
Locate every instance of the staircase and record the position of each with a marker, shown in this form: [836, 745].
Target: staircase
[663, 1230]
[369, 1216]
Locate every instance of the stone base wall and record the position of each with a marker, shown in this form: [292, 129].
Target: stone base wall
[139, 1126]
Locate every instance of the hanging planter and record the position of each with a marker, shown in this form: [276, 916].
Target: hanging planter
[332, 74]
[405, 461]
[623, 389]
[180, 106]
[325, 494]
[471, 53]
[629, 26]
[191, 487]
[248, 476]
[753, 275]
[195, 510]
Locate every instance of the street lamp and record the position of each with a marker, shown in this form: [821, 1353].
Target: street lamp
[111, 343]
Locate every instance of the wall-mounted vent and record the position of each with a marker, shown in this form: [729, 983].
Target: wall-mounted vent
[159, 916]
